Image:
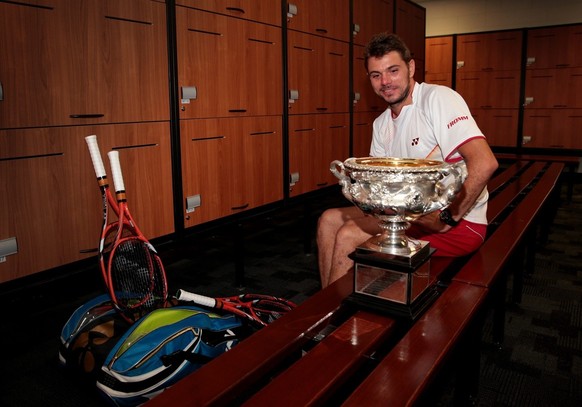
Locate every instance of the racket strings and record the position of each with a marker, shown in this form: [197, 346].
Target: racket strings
[269, 311]
[263, 308]
[136, 276]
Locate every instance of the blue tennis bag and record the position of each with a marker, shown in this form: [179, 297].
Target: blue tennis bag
[131, 364]
[89, 335]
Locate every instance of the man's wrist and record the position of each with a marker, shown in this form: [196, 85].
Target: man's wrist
[447, 218]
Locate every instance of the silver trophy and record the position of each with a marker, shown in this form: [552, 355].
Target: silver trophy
[396, 191]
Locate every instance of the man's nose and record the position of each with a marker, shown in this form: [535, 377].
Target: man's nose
[385, 78]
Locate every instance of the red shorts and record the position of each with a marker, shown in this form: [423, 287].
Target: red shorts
[463, 239]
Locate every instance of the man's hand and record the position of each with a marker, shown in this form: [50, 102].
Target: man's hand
[432, 223]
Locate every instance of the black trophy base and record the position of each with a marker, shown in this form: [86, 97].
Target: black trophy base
[397, 285]
[409, 312]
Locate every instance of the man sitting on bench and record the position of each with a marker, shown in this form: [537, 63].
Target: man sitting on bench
[422, 121]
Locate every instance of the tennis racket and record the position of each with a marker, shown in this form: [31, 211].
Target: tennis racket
[256, 308]
[108, 230]
[135, 274]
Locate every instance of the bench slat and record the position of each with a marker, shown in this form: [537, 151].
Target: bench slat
[566, 159]
[407, 370]
[329, 364]
[231, 374]
[482, 269]
[501, 200]
[503, 177]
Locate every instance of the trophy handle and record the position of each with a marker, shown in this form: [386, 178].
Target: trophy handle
[340, 174]
[448, 187]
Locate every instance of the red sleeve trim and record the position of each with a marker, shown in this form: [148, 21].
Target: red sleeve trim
[457, 159]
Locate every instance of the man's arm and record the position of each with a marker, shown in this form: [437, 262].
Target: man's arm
[481, 164]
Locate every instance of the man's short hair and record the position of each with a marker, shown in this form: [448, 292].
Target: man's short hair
[383, 43]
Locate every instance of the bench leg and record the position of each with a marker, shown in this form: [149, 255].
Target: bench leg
[469, 366]
[239, 255]
[307, 226]
[571, 176]
[516, 263]
[498, 297]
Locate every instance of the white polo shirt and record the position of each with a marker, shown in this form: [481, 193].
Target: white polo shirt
[433, 127]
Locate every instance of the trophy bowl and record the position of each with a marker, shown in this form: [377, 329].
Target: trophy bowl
[397, 191]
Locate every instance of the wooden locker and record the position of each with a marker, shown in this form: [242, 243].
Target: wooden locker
[362, 133]
[318, 78]
[234, 65]
[264, 11]
[230, 165]
[52, 195]
[62, 81]
[498, 125]
[364, 99]
[439, 61]
[314, 142]
[326, 18]
[498, 51]
[371, 17]
[554, 47]
[553, 88]
[552, 128]
[489, 89]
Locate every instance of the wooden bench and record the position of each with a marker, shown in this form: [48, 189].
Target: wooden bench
[407, 371]
[320, 351]
[402, 377]
[569, 161]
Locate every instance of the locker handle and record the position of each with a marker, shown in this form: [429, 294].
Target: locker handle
[237, 110]
[321, 30]
[236, 9]
[86, 116]
[235, 208]
[321, 109]
[1, 92]
[321, 184]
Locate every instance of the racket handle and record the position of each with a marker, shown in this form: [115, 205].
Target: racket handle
[116, 171]
[196, 298]
[96, 156]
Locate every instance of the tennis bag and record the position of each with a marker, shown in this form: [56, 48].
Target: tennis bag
[163, 347]
[88, 336]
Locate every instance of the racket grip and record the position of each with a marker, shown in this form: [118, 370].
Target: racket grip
[196, 298]
[116, 171]
[95, 156]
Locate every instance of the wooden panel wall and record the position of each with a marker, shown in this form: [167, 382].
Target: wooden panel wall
[81, 67]
[522, 100]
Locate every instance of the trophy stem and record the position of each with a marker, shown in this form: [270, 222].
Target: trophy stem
[392, 239]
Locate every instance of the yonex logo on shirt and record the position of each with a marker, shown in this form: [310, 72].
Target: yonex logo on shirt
[458, 119]
[415, 141]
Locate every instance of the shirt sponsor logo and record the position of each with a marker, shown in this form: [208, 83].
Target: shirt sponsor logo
[458, 119]
[415, 141]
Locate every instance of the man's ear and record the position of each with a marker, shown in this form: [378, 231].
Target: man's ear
[411, 68]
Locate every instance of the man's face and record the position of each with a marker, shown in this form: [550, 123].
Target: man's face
[390, 77]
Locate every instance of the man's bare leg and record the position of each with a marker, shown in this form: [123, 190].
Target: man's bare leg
[339, 232]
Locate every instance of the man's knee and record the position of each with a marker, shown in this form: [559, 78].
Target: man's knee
[350, 234]
[329, 221]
